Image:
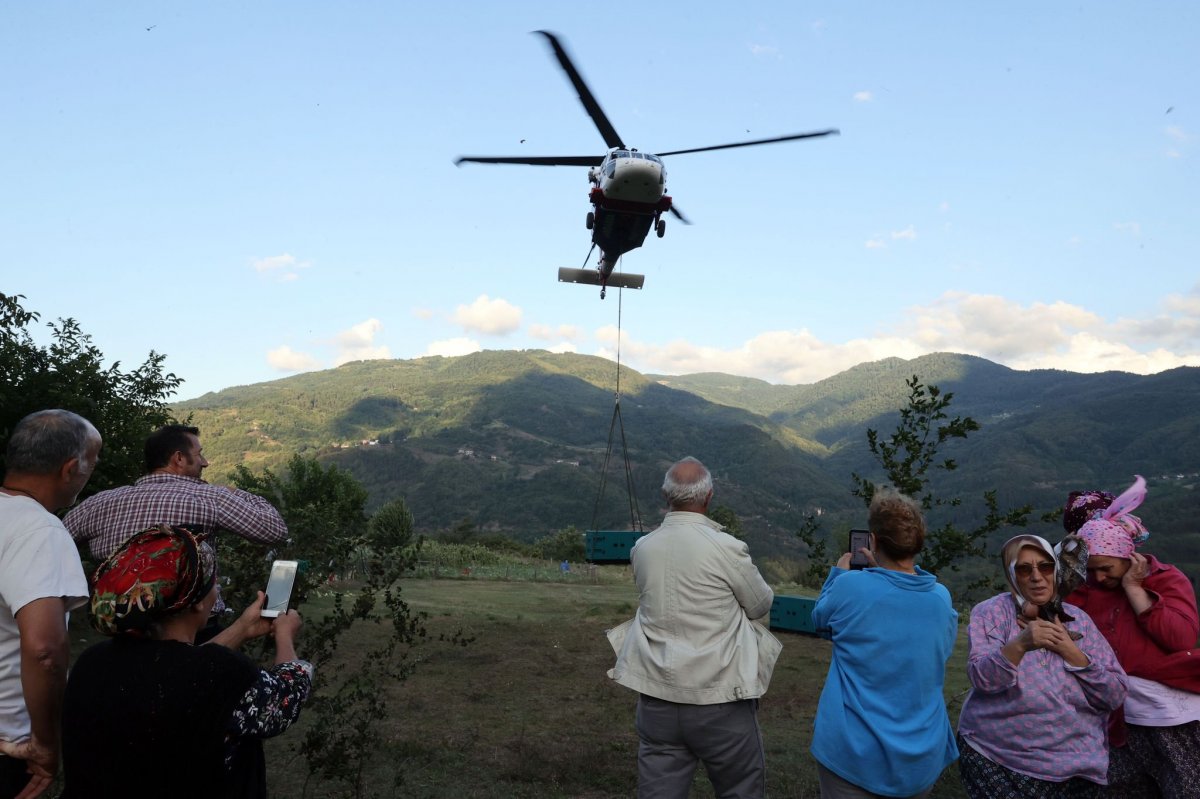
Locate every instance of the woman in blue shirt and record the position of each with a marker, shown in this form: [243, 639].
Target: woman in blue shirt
[881, 727]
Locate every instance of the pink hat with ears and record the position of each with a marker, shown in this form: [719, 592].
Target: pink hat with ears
[1117, 531]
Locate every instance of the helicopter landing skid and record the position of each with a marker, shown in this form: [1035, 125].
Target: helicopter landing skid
[591, 277]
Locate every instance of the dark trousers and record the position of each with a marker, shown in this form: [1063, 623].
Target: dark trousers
[14, 776]
[675, 738]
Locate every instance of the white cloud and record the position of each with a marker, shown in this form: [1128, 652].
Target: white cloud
[565, 346]
[944, 206]
[358, 343]
[286, 359]
[424, 314]
[547, 333]
[863, 97]
[880, 242]
[1036, 336]
[764, 50]
[491, 317]
[451, 347]
[281, 267]
[1132, 228]
[1180, 137]
[782, 356]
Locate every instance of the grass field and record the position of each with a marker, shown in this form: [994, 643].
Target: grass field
[527, 710]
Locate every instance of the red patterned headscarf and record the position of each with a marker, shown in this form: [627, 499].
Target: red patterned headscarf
[154, 574]
[1083, 506]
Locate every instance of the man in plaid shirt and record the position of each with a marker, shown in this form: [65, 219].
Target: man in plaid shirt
[172, 493]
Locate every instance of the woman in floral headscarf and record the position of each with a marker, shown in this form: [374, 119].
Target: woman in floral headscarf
[1147, 612]
[1033, 726]
[149, 711]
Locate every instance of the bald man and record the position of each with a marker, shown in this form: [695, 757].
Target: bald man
[692, 652]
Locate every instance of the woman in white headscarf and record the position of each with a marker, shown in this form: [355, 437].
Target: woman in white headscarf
[1033, 726]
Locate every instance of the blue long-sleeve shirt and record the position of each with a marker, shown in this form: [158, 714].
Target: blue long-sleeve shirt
[881, 722]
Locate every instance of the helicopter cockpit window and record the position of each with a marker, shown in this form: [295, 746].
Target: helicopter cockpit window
[610, 168]
[620, 154]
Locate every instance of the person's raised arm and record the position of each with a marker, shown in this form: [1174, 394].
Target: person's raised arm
[1167, 612]
[992, 652]
[248, 515]
[284, 629]
[250, 624]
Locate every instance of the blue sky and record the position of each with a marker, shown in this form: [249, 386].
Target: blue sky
[257, 189]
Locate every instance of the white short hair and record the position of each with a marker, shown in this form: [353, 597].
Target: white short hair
[678, 493]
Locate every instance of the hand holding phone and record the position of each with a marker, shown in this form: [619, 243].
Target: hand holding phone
[859, 540]
[279, 588]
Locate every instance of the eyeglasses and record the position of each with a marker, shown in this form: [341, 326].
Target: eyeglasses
[1026, 569]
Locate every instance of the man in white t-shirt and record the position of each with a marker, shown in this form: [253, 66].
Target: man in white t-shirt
[50, 456]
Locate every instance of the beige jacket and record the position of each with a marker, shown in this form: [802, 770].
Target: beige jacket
[692, 640]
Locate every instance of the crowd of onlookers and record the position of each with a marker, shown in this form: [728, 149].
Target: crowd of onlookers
[166, 704]
[1085, 678]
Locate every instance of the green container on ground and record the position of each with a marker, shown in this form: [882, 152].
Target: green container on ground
[610, 546]
[794, 614]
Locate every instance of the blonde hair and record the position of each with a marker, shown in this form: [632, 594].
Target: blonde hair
[897, 524]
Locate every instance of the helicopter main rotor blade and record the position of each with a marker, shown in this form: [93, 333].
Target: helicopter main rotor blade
[585, 94]
[793, 137]
[548, 160]
[679, 215]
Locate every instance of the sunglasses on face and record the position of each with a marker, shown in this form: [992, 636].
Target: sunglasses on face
[1026, 569]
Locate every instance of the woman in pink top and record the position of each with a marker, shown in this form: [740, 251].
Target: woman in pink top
[1147, 612]
[1033, 726]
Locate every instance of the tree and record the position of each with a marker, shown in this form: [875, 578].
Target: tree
[69, 373]
[907, 458]
[814, 574]
[324, 511]
[724, 516]
[323, 508]
[566, 544]
[391, 527]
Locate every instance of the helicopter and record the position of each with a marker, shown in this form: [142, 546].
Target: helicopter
[628, 188]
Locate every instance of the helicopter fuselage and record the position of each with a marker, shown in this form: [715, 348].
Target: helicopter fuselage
[629, 196]
[629, 188]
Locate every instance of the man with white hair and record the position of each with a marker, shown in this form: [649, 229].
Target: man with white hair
[50, 457]
[692, 652]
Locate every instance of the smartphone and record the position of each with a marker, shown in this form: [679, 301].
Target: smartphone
[279, 588]
[859, 539]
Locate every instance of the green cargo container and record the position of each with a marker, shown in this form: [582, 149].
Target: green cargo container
[610, 546]
[794, 614]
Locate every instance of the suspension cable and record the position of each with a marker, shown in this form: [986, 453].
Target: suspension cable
[635, 515]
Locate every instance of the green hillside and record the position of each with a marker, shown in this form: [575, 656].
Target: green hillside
[516, 440]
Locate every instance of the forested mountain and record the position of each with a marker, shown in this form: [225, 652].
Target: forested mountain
[516, 441]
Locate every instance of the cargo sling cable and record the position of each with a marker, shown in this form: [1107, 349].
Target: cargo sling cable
[635, 515]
